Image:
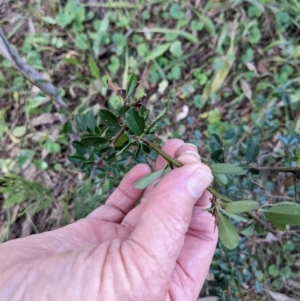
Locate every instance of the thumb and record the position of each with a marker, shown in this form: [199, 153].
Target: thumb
[167, 213]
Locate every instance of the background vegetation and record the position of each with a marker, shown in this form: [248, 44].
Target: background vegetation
[229, 68]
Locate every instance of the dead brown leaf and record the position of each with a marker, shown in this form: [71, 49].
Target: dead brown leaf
[289, 181]
[47, 119]
[262, 67]
[246, 89]
[280, 297]
[114, 87]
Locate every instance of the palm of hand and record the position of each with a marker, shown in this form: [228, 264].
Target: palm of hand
[150, 252]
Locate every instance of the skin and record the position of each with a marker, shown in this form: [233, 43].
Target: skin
[158, 250]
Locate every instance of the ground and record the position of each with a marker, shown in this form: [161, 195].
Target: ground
[228, 68]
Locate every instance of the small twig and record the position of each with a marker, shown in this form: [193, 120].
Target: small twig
[264, 224]
[119, 134]
[28, 72]
[219, 195]
[9, 132]
[255, 183]
[103, 130]
[296, 190]
[103, 180]
[176, 163]
[279, 169]
[162, 153]
[280, 197]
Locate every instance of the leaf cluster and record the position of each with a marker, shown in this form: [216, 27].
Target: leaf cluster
[18, 190]
[109, 135]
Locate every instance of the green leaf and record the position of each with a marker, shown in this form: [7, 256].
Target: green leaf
[176, 12]
[156, 120]
[90, 120]
[24, 156]
[260, 229]
[276, 224]
[216, 140]
[125, 148]
[238, 217]
[94, 68]
[109, 118]
[208, 23]
[240, 206]
[218, 64]
[176, 49]
[144, 112]
[41, 164]
[135, 122]
[64, 18]
[67, 127]
[137, 151]
[229, 134]
[228, 233]
[158, 51]
[52, 147]
[119, 40]
[77, 159]
[184, 34]
[111, 157]
[48, 19]
[81, 41]
[226, 169]
[19, 131]
[216, 155]
[286, 272]
[131, 84]
[273, 270]
[252, 151]
[149, 179]
[285, 213]
[101, 30]
[80, 148]
[122, 110]
[114, 64]
[72, 60]
[142, 49]
[88, 163]
[248, 55]
[115, 103]
[101, 150]
[14, 199]
[93, 140]
[220, 179]
[80, 121]
[248, 229]
[122, 140]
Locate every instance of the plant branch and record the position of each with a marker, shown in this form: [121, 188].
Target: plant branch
[219, 195]
[28, 72]
[210, 188]
[178, 164]
[119, 134]
[249, 131]
[162, 153]
[279, 169]
[264, 224]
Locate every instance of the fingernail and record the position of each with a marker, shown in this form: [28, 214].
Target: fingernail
[195, 182]
[191, 144]
[191, 153]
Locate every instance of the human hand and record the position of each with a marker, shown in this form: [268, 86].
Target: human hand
[158, 250]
